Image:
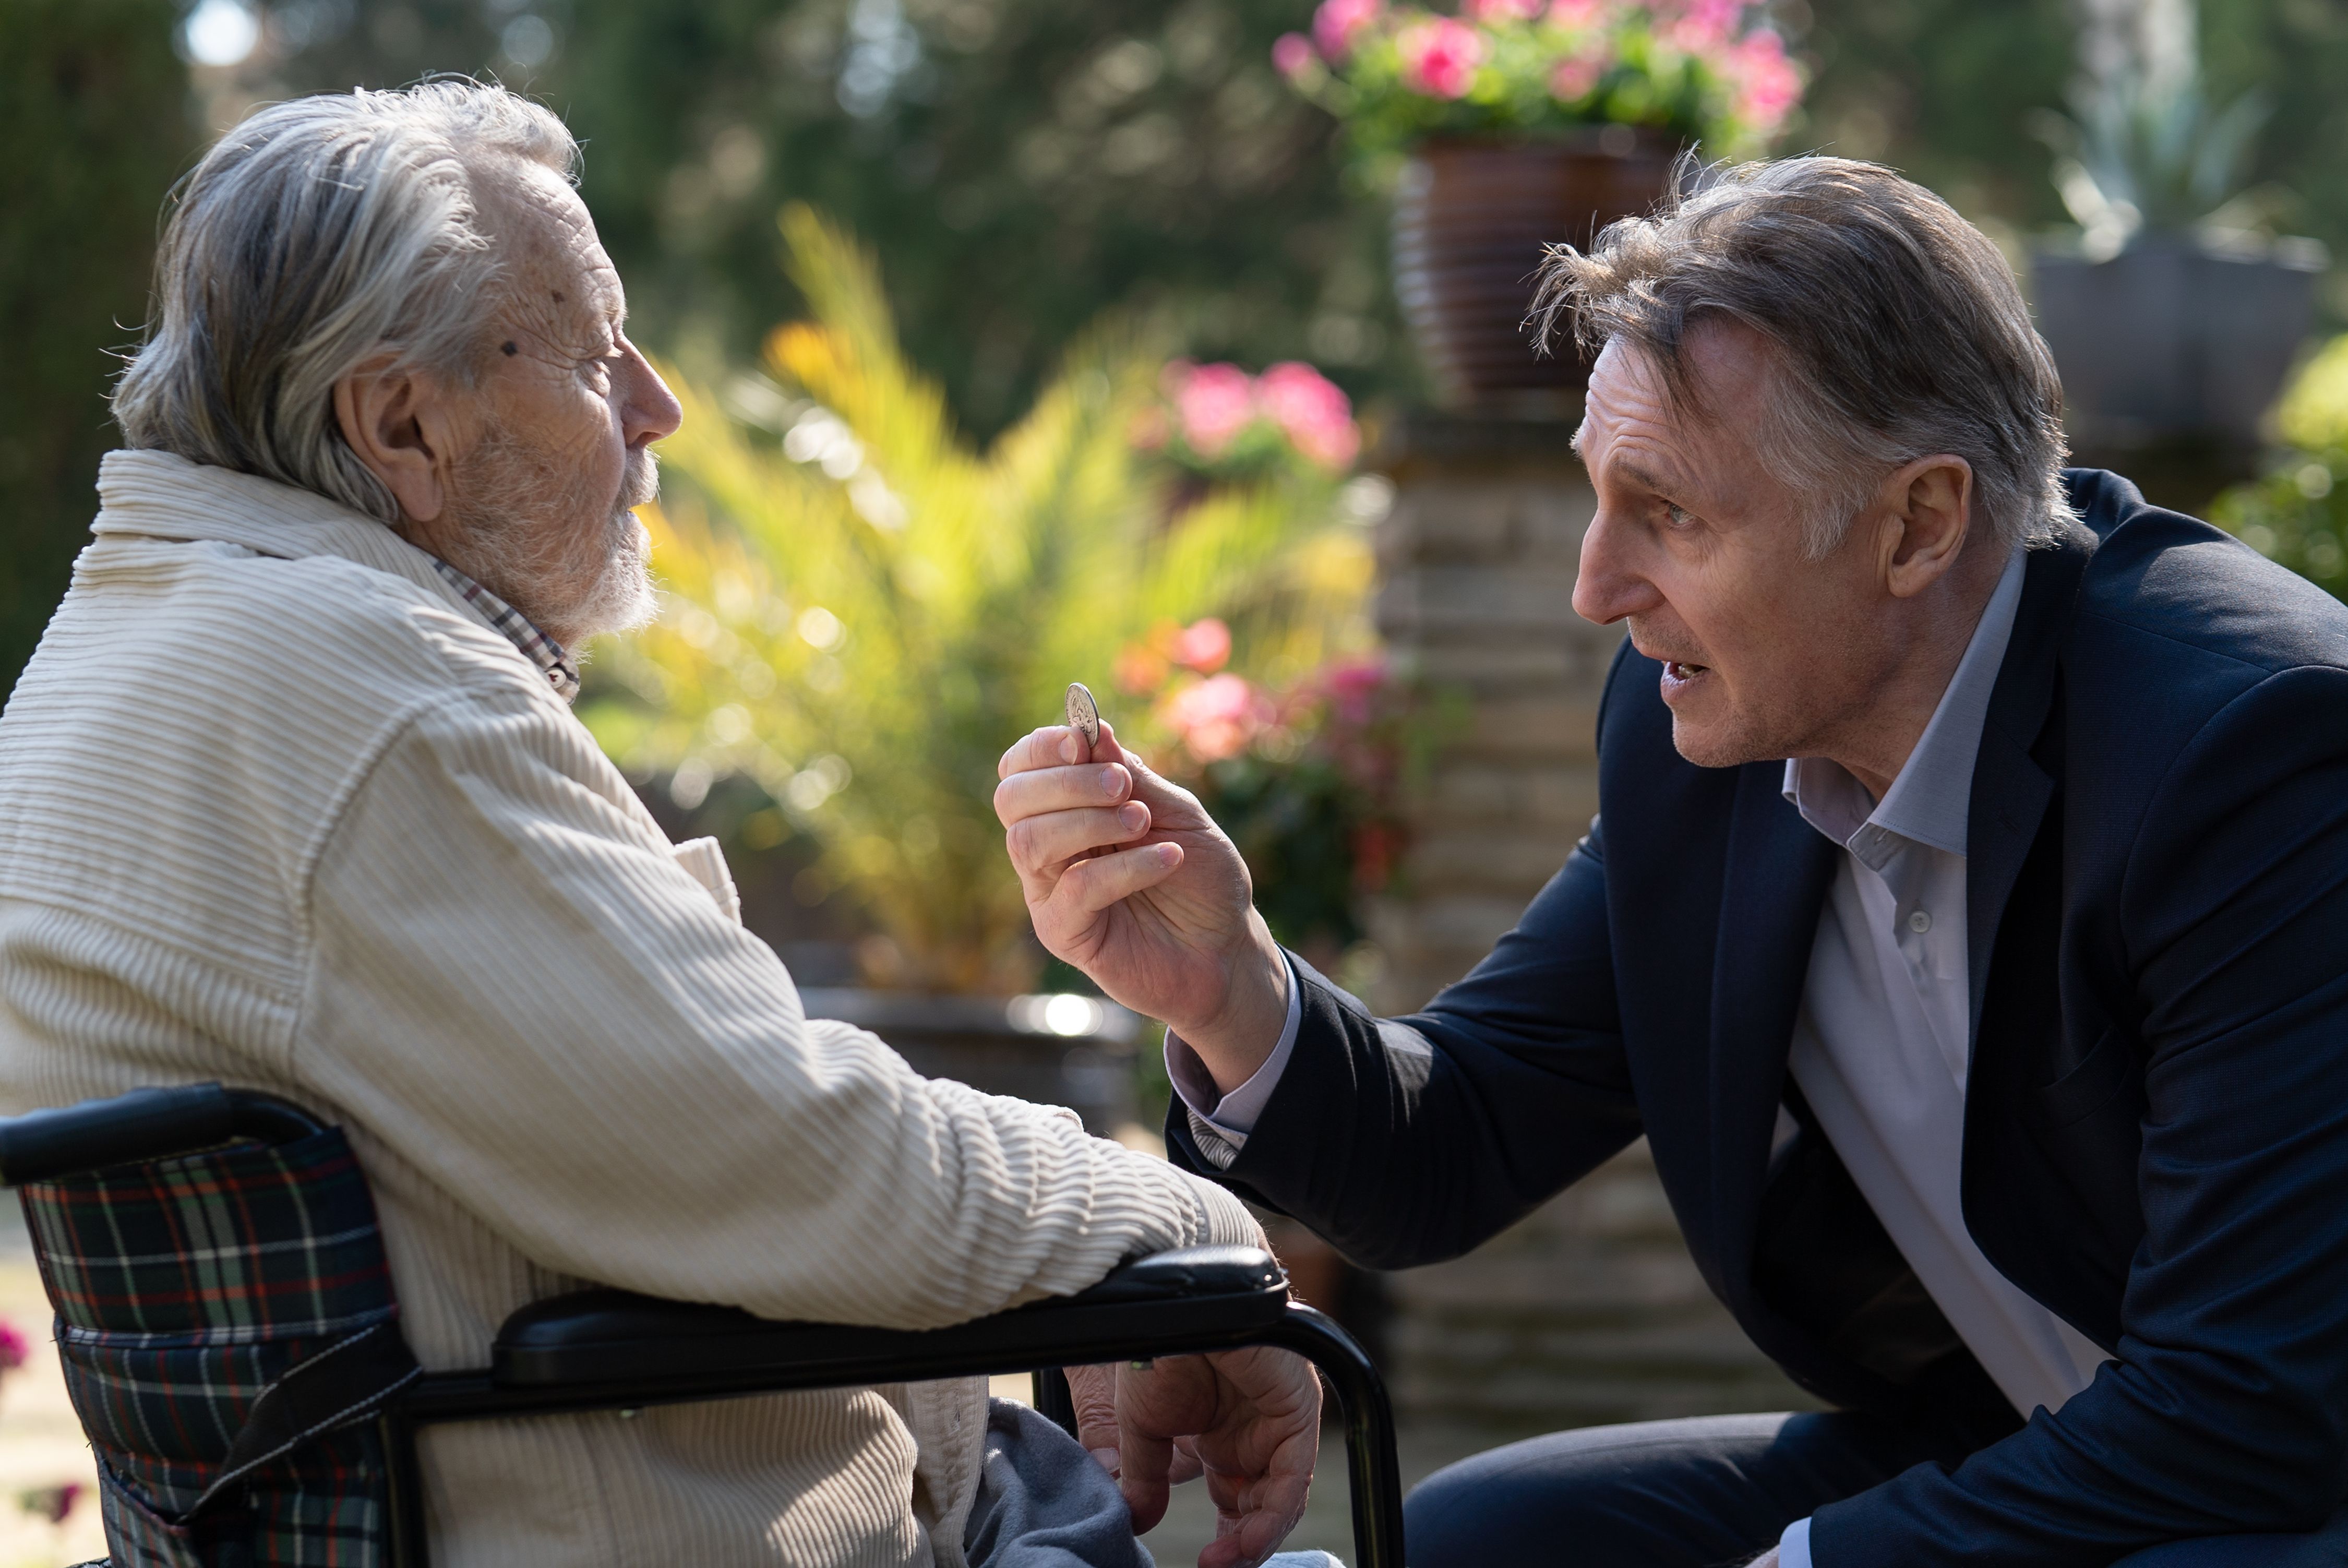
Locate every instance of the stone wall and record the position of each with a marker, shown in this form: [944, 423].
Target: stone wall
[1589, 1310]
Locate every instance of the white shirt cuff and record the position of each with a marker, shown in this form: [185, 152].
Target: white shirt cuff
[1793, 1546]
[1234, 1116]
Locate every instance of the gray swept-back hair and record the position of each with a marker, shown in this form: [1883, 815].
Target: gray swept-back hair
[316, 234]
[1899, 329]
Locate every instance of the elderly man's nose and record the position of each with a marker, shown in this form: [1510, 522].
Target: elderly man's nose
[1606, 588]
[652, 411]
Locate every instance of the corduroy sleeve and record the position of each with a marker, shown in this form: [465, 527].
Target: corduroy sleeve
[514, 984]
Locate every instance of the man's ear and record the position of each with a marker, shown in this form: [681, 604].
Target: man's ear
[400, 423]
[1928, 504]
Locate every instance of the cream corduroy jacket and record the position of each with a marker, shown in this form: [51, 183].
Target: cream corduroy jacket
[277, 808]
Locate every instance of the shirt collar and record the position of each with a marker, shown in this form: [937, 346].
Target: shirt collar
[1928, 802]
[536, 647]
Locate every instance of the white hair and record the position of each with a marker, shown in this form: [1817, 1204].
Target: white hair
[316, 235]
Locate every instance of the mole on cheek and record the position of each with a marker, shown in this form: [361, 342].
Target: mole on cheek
[507, 349]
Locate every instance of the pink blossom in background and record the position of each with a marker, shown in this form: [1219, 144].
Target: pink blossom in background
[1292, 54]
[1336, 21]
[1439, 56]
[1218, 718]
[1768, 85]
[1354, 685]
[1203, 645]
[14, 1346]
[1314, 411]
[1503, 10]
[1704, 26]
[54, 1503]
[1214, 402]
[1575, 13]
[1576, 75]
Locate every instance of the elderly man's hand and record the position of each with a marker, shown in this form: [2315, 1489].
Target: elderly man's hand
[1250, 1420]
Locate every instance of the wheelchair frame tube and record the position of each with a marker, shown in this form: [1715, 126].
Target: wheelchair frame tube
[1373, 1470]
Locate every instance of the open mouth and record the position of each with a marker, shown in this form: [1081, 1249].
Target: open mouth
[1679, 675]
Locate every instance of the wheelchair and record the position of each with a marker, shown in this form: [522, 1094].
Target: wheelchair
[232, 1342]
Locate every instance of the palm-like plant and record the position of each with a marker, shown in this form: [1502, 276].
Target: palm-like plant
[864, 613]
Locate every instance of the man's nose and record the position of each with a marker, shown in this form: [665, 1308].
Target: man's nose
[649, 411]
[1609, 586]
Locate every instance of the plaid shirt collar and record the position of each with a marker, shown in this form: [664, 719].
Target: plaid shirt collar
[536, 647]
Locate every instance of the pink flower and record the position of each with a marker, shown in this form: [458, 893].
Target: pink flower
[1336, 21]
[1768, 85]
[1292, 55]
[1214, 402]
[1503, 10]
[1705, 26]
[1217, 718]
[14, 1346]
[1574, 13]
[1354, 685]
[1203, 645]
[1439, 56]
[1312, 410]
[1576, 77]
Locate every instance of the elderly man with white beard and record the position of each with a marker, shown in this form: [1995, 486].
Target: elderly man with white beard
[291, 797]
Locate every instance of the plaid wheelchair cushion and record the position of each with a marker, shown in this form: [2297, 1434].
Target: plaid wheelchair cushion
[187, 1289]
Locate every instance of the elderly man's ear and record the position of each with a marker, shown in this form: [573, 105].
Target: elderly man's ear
[404, 425]
[1926, 508]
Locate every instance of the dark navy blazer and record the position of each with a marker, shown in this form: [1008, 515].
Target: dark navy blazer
[2157, 1114]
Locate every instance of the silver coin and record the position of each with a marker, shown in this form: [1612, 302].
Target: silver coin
[1084, 714]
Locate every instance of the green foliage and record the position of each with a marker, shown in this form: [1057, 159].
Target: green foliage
[1021, 165]
[2298, 514]
[1398, 78]
[90, 111]
[866, 612]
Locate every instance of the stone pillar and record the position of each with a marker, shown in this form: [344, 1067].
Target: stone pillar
[1589, 1310]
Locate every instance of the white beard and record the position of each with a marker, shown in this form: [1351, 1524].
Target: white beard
[521, 518]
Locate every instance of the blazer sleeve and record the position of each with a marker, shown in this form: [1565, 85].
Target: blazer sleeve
[516, 988]
[2226, 1411]
[1408, 1140]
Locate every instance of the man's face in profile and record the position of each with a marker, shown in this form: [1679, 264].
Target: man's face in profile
[1699, 546]
[542, 502]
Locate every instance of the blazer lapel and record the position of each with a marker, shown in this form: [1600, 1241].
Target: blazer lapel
[1778, 870]
[2009, 790]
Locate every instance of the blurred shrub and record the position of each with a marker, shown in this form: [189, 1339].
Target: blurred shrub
[865, 611]
[2298, 514]
[91, 112]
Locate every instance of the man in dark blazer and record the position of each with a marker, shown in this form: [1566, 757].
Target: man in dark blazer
[1965, 928]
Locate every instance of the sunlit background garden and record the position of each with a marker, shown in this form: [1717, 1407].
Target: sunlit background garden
[1172, 345]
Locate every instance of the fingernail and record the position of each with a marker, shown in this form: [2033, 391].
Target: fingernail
[1106, 1459]
[1108, 780]
[1132, 815]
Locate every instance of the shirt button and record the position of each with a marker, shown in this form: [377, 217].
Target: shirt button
[1920, 922]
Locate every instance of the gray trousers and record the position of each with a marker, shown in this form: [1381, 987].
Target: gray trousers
[1043, 1502]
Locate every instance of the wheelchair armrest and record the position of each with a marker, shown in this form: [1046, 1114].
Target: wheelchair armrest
[1195, 1298]
[142, 1125]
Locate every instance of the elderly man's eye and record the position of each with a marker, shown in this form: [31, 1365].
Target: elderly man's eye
[1679, 516]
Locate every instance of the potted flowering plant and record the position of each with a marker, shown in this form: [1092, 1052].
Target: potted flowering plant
[1521, 123]
[1219, 424]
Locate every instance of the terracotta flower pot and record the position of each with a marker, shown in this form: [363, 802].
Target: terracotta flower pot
[1470, 221]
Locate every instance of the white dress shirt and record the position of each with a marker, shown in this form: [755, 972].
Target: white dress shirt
[1881, 1047]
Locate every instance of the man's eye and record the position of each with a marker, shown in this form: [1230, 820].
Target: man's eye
[1679, 516]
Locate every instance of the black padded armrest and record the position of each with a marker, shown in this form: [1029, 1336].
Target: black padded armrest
[606, 1336]
[142, 1125]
